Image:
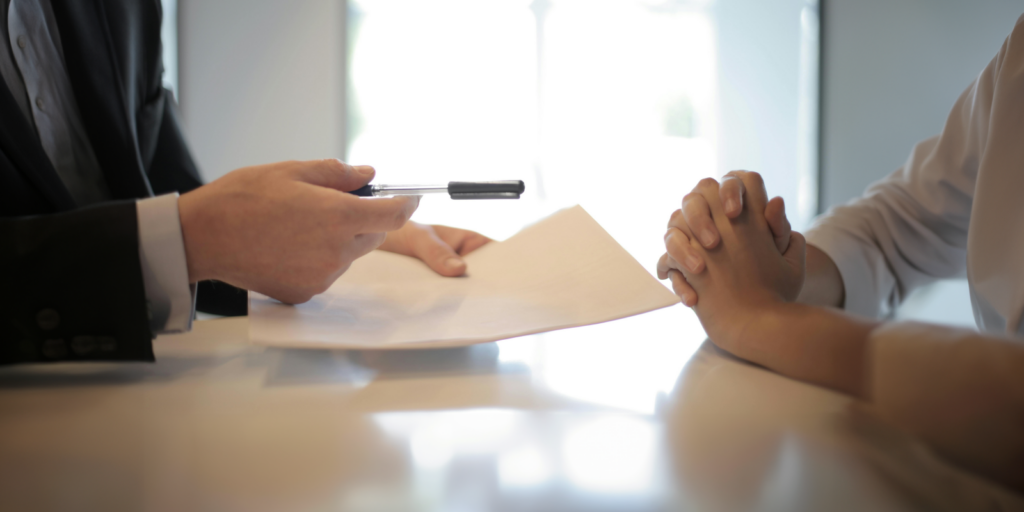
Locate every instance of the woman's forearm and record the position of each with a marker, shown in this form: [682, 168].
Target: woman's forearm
[814, 344]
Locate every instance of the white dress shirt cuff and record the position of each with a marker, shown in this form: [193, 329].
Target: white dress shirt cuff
[170, 297]
[852, 259]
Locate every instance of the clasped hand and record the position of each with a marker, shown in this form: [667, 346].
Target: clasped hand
[731, 255]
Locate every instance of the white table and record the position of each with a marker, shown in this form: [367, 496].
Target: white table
[607, 417]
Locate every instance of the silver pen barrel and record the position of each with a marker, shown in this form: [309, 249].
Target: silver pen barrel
[407, 190]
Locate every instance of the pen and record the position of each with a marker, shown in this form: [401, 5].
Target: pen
[511, 189]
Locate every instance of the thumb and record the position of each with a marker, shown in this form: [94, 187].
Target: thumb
[437, 254]
[796, 254]
[333, 173]
[775, 214]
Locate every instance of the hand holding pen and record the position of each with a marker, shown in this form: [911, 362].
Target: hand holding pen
[510, 189]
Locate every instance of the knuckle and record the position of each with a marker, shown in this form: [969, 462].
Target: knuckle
[707, 183]
[676, 248]
[755, 178]
[675, 218]
[697, 212]
[694, 200]
[673, 250]
[334, 165]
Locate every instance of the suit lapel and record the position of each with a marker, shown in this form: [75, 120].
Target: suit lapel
[19, 142]
[101, 89]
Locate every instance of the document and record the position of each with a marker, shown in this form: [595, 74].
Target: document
[564, 271]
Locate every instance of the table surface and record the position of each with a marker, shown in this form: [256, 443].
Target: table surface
[619, 416]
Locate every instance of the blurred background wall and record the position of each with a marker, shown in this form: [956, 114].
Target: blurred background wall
[265, 80]
[261, 81]
[620, 106]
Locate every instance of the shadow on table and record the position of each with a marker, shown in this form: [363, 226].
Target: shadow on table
[284, 367]
[58, 375]
[359, 367]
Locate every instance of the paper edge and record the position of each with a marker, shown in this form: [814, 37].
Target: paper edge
[671, 300]
[432, 344]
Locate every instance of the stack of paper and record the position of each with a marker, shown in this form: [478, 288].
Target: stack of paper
[565, 271]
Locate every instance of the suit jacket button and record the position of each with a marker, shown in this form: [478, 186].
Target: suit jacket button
[55, 349]
[83, 345]
[47, 319]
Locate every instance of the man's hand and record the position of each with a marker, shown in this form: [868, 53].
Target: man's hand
[287, 230]
[745, 273]
[695, 215]
[440, 247]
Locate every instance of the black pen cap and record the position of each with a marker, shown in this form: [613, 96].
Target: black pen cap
[510, 189]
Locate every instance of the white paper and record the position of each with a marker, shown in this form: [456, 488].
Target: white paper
[564, 271]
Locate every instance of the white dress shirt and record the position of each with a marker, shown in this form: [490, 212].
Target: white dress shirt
[955, 208]
[32, 65]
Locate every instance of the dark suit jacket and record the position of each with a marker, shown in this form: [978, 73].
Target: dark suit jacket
[70, 279]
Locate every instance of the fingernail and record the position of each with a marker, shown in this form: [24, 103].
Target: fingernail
[707, 238]
[692, 263]
[730, 205]
[454, 263]
[365, 170]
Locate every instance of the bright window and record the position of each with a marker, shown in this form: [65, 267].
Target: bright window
[613, 104]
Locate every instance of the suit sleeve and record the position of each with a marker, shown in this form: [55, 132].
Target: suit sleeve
[73, 288]
[171, 167]
[960, 391]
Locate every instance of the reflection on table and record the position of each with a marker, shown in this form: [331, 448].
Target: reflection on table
[621, 416]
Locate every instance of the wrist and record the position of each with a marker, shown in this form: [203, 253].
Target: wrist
[192, 225]
[765, 322]
[814, 344]
[746, 321]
